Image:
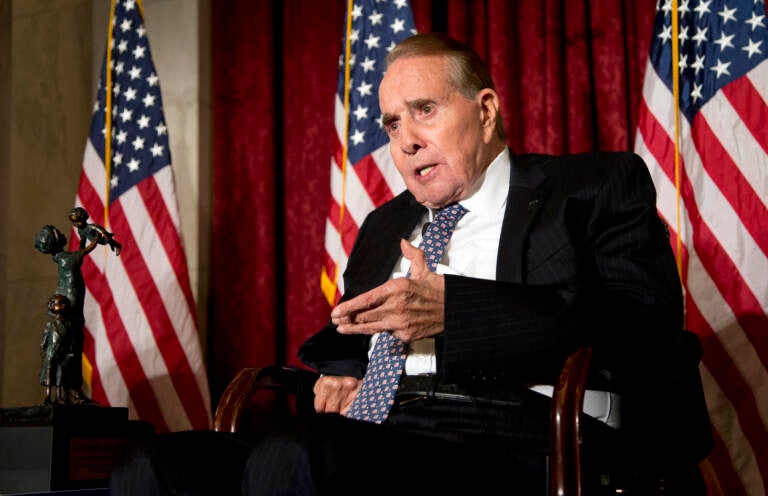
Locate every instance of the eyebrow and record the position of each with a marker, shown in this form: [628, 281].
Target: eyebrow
[420, 102]
[387, 119]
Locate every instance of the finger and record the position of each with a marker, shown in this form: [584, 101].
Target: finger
[369, 328]
[333, 404]
[319, 402]
[418, 260]
[327, 402]
[317, 390]
[348, 403]
[321, 391]
[406, 335]
[350, 397]
[385, 313]
[345, 311]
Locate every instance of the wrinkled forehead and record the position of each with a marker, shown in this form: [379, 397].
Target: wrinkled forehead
[415, 77]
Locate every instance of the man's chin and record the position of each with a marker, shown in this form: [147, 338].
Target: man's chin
[436, 204]
[434, 197]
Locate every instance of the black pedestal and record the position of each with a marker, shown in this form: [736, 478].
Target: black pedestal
[44, 448]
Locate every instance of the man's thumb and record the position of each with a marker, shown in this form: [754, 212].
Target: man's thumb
[417, 258]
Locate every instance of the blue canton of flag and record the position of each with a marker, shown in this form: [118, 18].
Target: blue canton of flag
[720, 41]
[139, 134]
[377, 26]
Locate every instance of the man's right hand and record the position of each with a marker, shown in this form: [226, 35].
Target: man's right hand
[334, 394]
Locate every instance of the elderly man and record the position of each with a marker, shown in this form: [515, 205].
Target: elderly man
[464, 295]
[543, 254]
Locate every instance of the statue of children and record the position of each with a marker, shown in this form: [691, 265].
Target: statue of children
[88, 231]
[63, 340]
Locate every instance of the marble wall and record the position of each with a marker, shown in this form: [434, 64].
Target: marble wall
[50, 53]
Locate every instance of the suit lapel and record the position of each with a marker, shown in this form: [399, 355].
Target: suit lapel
[381, 244]
[401, 227]
[528, 189]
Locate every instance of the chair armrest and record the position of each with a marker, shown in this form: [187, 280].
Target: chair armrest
[229, 411]
[565, 433]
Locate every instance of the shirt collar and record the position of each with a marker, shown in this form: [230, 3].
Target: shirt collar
[490, 199]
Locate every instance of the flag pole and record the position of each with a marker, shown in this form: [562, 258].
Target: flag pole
[87, 367]
[331, 295]
[108, 114]
[678, 172]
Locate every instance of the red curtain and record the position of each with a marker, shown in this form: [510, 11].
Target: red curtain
[569, 74]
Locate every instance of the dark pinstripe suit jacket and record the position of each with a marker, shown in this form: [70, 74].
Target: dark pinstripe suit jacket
[583, 259]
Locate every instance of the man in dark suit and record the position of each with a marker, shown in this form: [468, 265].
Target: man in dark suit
[551, 253]
[554, 253]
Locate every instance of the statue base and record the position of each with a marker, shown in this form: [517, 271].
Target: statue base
[60, 447]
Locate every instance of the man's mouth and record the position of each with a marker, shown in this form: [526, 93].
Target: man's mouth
[425, 170]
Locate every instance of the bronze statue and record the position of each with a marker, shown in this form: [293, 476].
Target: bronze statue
[63, 339]
[51, 241]
[56, 349]
[87, 231]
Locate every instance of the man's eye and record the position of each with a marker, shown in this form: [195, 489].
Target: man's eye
[393, 126]
[427, 109]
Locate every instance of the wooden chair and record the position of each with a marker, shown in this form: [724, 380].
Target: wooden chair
[565, 466]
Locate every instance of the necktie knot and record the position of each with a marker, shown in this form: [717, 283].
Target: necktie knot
[439, 232]
[452, 211]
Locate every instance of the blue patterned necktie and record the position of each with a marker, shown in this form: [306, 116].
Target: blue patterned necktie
[377, 394]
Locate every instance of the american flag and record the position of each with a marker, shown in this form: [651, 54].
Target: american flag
[363, 175]
[721, 213]
[141, 346]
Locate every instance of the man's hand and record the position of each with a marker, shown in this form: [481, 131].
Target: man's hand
[411, 309]
[334, 394]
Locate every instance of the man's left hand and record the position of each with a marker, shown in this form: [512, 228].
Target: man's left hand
[411, 309]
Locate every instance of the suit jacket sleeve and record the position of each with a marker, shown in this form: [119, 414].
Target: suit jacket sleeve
[332, 353]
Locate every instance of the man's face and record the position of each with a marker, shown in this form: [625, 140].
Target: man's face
[439, 139]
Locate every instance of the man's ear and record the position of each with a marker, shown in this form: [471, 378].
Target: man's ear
[489, 112]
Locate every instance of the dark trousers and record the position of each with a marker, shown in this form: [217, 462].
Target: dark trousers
[433, 446]
[185, 463]
[427, 445]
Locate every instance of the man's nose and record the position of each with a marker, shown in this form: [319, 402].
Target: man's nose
[410, 139]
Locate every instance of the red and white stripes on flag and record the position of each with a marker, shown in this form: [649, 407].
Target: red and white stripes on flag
[141, 346]
[722, 201]
[363, 175]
